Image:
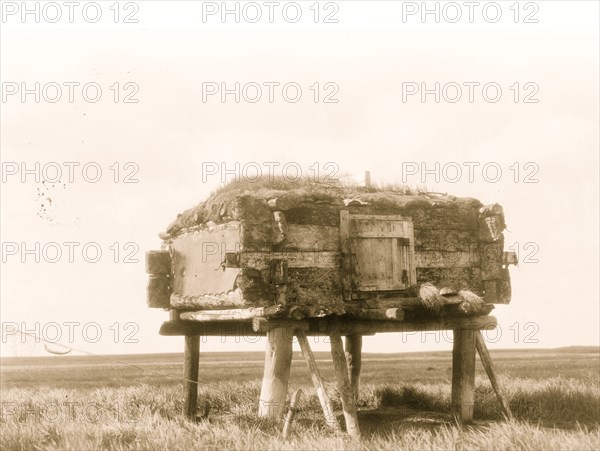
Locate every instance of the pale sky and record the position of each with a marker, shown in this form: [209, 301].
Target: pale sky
[370, 57]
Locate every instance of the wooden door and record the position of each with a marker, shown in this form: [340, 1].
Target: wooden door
[379, 252]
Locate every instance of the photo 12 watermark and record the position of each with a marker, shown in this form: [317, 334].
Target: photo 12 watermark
[254, 172]
[66, 333]
[64, 412]
[69, 252]
[448, 12]
[49, 172]
[234, 12]
[469, 172]
[469, 92]
[69, 92]
[269, 92]
[61, 13]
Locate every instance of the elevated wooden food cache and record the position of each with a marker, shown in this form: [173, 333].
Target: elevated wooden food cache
[328, 259]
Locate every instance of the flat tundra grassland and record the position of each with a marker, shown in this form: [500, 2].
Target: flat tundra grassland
[82, 403]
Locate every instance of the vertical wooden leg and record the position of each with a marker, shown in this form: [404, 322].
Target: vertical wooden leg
[278, 361]
[317, 381]
[354, 361]
[486, 360]
[343, 382]
[191, 358]
[463, 374]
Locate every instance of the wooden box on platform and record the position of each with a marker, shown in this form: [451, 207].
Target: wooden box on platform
[322, 249]
[297, 259]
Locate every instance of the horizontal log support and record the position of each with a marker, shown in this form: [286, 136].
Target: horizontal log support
[394, 313]
[323, 326]
[209, 329]
[370, 327]
[230, 314]
[368, 301]
[264, 325]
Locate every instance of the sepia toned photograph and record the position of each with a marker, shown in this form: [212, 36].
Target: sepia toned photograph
[300, 225]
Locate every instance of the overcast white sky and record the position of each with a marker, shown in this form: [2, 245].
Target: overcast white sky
[369, 57]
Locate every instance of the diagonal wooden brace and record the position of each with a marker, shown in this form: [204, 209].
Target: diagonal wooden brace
[486, 360]
[317, 381]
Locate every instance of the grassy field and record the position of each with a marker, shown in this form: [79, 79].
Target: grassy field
[86, 402]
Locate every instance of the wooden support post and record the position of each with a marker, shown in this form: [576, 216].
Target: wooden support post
[278, 361]
[343, 382]
[317, 381]
[463, 373]
[191, 358]
[354, 361]
[486, 360]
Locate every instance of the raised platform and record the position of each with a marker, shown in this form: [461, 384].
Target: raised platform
[321, 326]
[347, 361]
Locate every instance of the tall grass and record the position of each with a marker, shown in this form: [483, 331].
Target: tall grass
[409, 416]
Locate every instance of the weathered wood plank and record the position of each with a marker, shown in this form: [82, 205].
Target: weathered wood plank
[295, 259]
[446, 259]
[445, 218]
[229, 299]
[228, 314]
[448, 240]
[191, 360]
[197, 259]
[317, 381]
[158, 262]
[278, 361]
[463, 374]
[346, 257]
[158, 291]
[312, 237]
[313, 215]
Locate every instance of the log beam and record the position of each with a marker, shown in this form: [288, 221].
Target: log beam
[191, 359]
[278, 361]
[354, 362]
[209, 329]
[463, 374]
